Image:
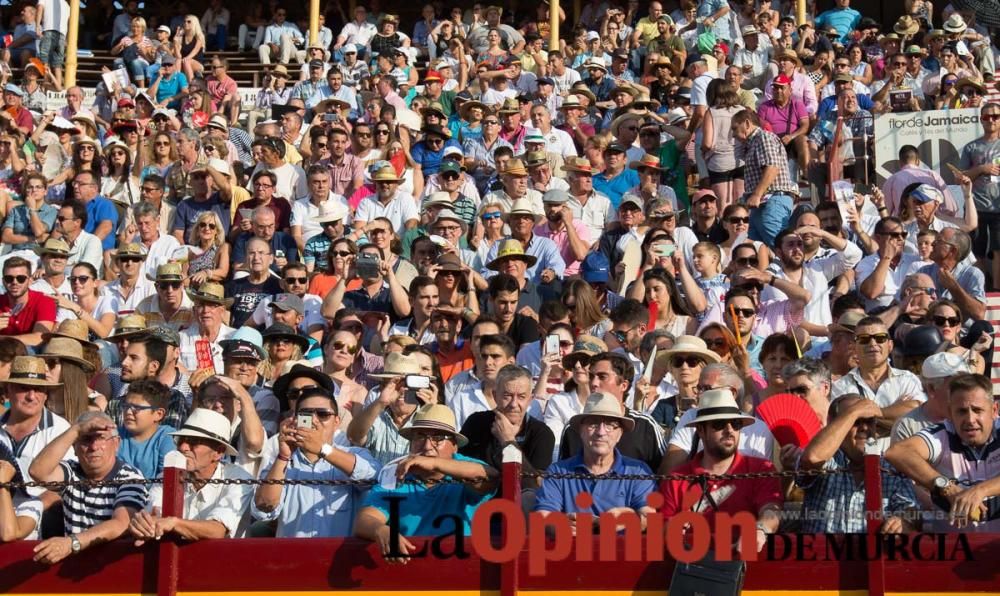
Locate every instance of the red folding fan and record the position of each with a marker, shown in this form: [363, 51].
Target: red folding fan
[790, 419]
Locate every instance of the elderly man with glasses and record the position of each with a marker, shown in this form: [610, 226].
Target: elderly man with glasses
[894, 391]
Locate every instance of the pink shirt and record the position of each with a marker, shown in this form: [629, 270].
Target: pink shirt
[561, 239]
[803, 89]
[908, 175]
[219, 89]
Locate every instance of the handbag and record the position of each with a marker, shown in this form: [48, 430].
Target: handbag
[708, 577]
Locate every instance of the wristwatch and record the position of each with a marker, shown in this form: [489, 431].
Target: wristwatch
[74, 544]
[326, 450]
[762, 528]
[940, 483]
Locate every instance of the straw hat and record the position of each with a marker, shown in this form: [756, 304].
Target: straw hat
[789, 55]
[208, 424]
[955, 24]
[907, 25]
[522, 207]
[620, 120]
[536, 158]
[330, 211]
[967, 81]
[571, 101]
[449, 262]
[580, 88]
[647, 161]
[447, 214]
[515, 167]
[74, 329]
[88, 141]
[398, 365]
[598, 64]
[688, 345]
[719, 404]
[510, 106]
[888, 37]
[167, 272]
[210, 292]
[603, 405]
[53, 246]
[847, 322]
[129, 249]
[386, 174]
[435, 417]
[62, 348]
[584, 347]
[510, 249]
[29, 370]
[463, 111]
[279, 71]
[127, 326]
[578, 164]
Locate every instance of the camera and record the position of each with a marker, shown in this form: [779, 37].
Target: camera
[368, 265]
[331, 117]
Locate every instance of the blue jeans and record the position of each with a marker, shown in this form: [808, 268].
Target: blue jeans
[217, 41]
[770, 218]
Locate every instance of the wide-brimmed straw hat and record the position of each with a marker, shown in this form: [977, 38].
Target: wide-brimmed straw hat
[906, 26]
[689, 345]
[330, 211]
[719, 404]
[63, 348]
[386, 174]
[397, 365]
[647, 161]
[510, 248]
[167, 272]
[603, 405]
[54, 247]
[29, 370]
[74, 329]
[434, 417]
[210, 292]
[208, 424]
[127, 326]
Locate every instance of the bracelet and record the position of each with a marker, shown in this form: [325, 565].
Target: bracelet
[283, 458]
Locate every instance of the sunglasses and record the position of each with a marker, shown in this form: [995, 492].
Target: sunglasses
[79, 279]
[800, 390]
[130, 259]
[9, 279]
[137, 408]
[745, 261]
[718, 342]
[691, 361]
[722, 424]
[296, 280]
[341, 253]
[738, 220]
[989, 117]
[880, 338]
[382, 132]
[894, 235]
[168, 285]
[942, 321]
[973, 91]
[350, 349]
[492, 215]
[362, 135]
[206, 224]
[323, 145]
[745, 313]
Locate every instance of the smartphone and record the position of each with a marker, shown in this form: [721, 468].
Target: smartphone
[417, 382]
[304, 421]
[666, 250]
[246, 213]
[279, 254]
[552, 344]
[368, 265]
[331, 117]
[864, 189]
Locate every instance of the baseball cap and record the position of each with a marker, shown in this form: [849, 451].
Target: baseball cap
[782, 80]
[595, 268]
[315, 64]
[286, 302]
[926, 193]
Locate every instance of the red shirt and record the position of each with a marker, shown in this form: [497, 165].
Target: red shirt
[746, 495]
[39, 309]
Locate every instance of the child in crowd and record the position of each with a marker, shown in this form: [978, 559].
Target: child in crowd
[144, 440]
[925, 244]
[706, 258]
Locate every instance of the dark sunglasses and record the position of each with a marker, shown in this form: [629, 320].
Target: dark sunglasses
[880, 338]
[942, 321]
[691, 361]
[171, 285]
[9, 279]
[894, 235]
[206, 224]
[746, 313]
[800, 390]
[738, 220]
[79, 279]
[321, 413]
[745, 261]
[130, 259]
[722, 424]
[341, 253]
[296, 280]
[350, 349]
[989, 117]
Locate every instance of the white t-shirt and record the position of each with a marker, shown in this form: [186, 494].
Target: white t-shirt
[756, 439]
[55, 11]
[699, 88]
[303, 212]
[401, 209]
[291, 181]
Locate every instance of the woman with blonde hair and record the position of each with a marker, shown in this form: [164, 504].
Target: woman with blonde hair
[208, 253]
[594, 148]
[282, 345]
[584, 308]
[69, 368]
[489, 228]
[189, 46]
[159, 154]
[136, 50]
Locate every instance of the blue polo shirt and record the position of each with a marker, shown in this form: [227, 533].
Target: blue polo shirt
[99, 210]
[429, 160]
[422, 505]
[616, 187]
[560, 494]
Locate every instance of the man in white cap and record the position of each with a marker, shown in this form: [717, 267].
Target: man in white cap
[936, 372]
[210, 510]
[718, 425]
[320, 199]
[600, 427]
[434, 443]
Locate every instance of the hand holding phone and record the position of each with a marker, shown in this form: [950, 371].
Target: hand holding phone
[552, 344]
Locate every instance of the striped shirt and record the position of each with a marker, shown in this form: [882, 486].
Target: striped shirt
[85, 507]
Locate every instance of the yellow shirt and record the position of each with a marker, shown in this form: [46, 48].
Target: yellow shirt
[647, 30]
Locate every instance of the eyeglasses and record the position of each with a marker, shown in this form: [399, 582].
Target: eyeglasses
[322, 413]
[745, 313]
[491, 122]
[989, 117]
[738, 220]
[722, 424]
[448, 229]
[34, 187]
[800, 390]
[690, 361]
[62, 218]
[942, 321]
[296, 280]
[436, 439]
[206, 224]
[718, 342]
[894, 235]
[169, 285]
[136, 408]
[9, 279]
[262, 185]
[363, 135]
[841, 65]
[492, 215]
[898, 64]
[342, 346]
[79, 279]
[434, 141]
[880, 338]
[608, 424]
[745, 261]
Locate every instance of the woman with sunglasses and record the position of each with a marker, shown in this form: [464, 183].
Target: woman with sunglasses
[117, 183]
[576, 388]
[720, 339]
[339, 354]
[189, 47]
[283, 346]
[339, 263]
[88, 304]
[736, 222]
[85, 158]
[947, 317]
[585, 309]
[208, 252]
[489, 229]
[684, 362]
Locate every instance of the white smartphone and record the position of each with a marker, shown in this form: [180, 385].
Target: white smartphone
[552, 344]
[304, 421]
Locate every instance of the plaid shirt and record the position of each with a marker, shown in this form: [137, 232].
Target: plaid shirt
[835, 503]
[764, 149]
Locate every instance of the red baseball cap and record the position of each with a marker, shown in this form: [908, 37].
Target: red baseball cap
[782, 80]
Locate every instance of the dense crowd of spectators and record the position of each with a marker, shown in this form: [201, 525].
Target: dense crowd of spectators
[405, 253]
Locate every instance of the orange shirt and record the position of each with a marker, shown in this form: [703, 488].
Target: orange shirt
[455, 361]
